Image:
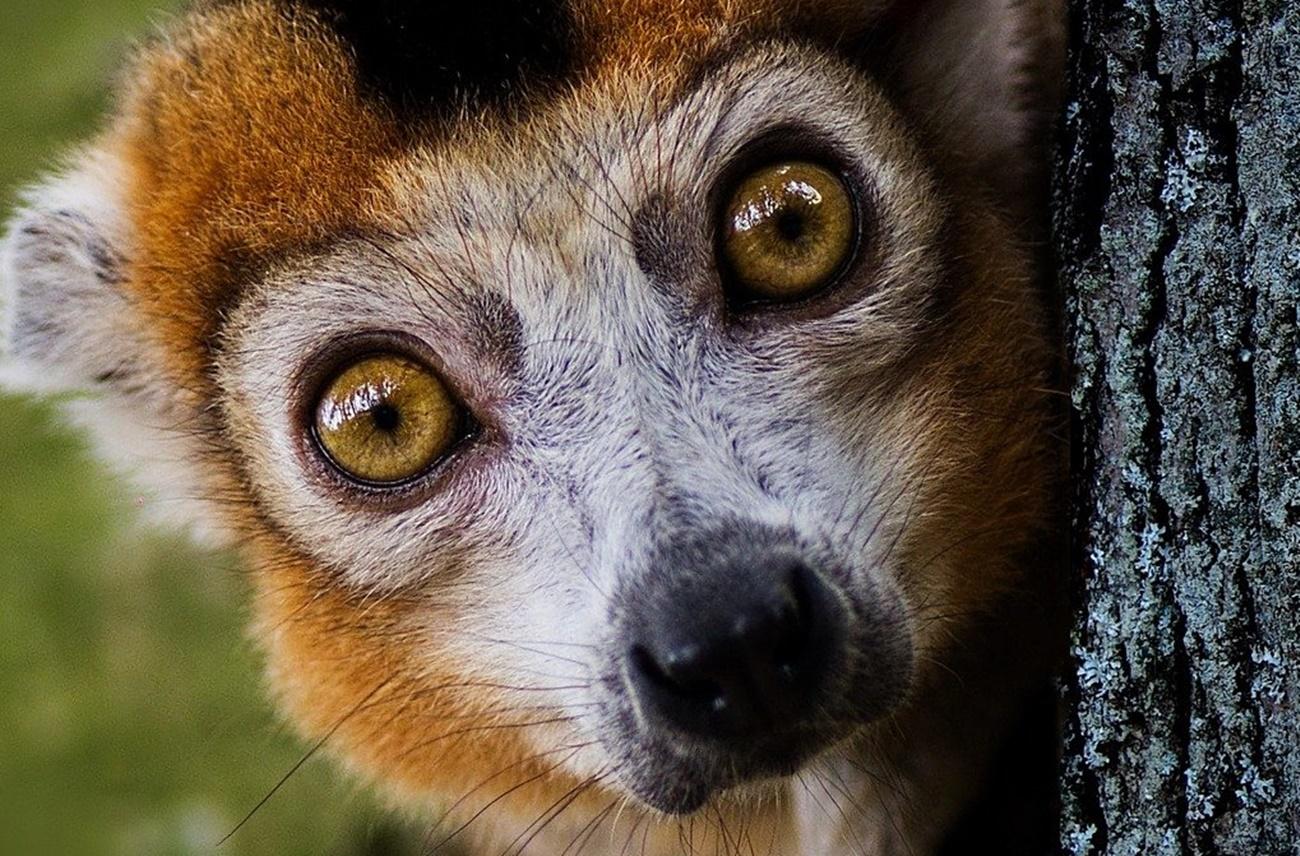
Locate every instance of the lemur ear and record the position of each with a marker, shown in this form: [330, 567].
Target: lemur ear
[69, 326]
[984, 78]
[66, 318]
[981, 78]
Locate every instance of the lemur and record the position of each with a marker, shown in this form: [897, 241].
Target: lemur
[635, 415]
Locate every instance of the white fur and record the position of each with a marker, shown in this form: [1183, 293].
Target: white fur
[69, 328]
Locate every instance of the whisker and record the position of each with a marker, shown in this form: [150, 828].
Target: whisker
[504, 794]
[307, 756]
[585, 834]
[548, 816]
[848, 825]
[478, 729]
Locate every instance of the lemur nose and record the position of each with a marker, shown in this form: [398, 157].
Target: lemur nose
[740, 660]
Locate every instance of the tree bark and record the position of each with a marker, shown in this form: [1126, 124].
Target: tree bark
[1178, 231]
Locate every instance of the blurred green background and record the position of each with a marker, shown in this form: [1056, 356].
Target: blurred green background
[132, 719]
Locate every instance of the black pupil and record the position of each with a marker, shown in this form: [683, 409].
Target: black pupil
[386, 417]
[790, 225]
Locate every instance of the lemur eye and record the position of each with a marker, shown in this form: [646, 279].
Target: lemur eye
[788, 230]
[385, 419]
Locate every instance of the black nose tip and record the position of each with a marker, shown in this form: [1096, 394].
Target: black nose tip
[737, 660]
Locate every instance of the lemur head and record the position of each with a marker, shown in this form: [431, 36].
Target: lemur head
[612, 397]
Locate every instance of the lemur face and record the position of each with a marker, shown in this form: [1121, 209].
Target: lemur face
[648, 408]
[651, 490]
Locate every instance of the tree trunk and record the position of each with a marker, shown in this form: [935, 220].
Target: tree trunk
[1178, 228]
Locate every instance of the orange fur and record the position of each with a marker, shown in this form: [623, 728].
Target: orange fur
[424, 729]
[348, 668]
[246, 138]
[630, 33]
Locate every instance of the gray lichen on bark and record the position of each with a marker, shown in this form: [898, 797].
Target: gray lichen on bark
[1178, 231]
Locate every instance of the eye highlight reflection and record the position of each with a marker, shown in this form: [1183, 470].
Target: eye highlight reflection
[385, 419]
[788, 230]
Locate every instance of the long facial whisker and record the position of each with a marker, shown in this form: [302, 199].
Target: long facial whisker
[623, 214]
[799, 777]
[504, 794]
[558, 644]
[870, 504]
[549, 816]
[307, 756]
[480, 729]
[527, 648]
[624, 237]
[582, 569]
[585, 834]
[602, 167]
[492, 685]
[642, 819]
[848, 824]
[724, 834]
[893, 788]
[504, 711]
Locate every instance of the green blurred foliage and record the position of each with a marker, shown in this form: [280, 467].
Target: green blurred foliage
[132, 721]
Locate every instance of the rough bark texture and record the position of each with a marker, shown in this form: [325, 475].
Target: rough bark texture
[1178, 228]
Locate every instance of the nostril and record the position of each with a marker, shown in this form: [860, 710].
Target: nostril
[796, 624]
[648, 667]
[673, 675]
[801, 596]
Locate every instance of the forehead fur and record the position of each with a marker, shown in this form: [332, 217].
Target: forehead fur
[244, 134]
[261, 127]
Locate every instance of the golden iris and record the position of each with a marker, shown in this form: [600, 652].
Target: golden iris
[386, 418]
[789, 230]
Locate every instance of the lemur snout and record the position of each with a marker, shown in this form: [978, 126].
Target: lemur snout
[738, 651]
[742, 650]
